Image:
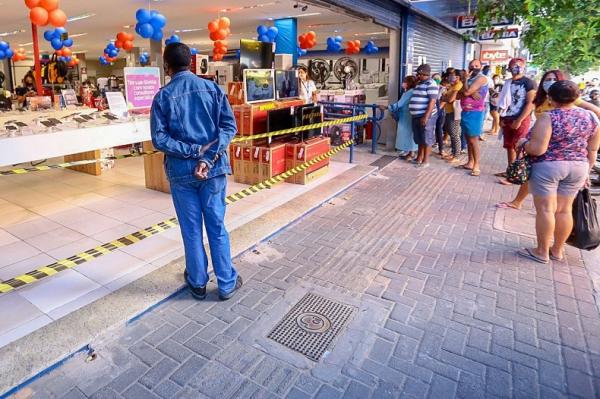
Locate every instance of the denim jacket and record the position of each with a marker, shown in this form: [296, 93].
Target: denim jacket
[191, 121]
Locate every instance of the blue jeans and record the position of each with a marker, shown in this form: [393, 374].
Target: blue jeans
[199, 202]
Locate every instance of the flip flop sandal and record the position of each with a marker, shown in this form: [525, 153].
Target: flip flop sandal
[528, 254]
[464, 167]
[504, 182]
[475, 173]
[556, 258]
[506, 205]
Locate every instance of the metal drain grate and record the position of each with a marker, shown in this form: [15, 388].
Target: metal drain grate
[311, 325]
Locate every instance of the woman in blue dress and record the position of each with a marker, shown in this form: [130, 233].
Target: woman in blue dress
[404, 137]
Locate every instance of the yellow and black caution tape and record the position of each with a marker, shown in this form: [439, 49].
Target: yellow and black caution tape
[239, 139]
[283, 132]
[21, 171]
[130, 239]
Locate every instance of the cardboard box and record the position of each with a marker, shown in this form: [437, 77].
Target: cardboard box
[306, 151]
[254, 176]
[272, 161]
[246, 164]
[251, 119]
[235, 93]
[290, 151]
[236, 159]
[304, 178]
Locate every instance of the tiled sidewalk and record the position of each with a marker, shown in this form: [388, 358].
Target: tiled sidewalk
[445, 308]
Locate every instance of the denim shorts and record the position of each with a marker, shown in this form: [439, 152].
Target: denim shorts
[564, 178]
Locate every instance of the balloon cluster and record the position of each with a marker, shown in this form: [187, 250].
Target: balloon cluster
[20, 55]
[66, 55]
[302, 52]
[111, 52]
[334, 44]
[267, 34]
[308, 40]
[6, 51]
[144, 58]
[150, 24]
[219, 31]
[44, 12]
[371, 48]
[125, 41]
[55, 37]
[353, 47]
[173, 39]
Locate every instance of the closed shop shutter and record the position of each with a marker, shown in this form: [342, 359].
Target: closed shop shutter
[383, 12]
[438, 46]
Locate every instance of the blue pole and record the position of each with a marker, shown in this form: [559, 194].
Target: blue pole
[374, 132]
[352, 134]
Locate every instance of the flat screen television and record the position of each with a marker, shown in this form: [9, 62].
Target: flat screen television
[259, 85]
[255, 55]
[307, 115]
[286, 83]
[280, 119]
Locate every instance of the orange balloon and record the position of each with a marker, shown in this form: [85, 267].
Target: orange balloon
[121, 37]
[222, 34]
[49, 5]
[311, 35]
[32, 3]
[128, 45]
[39, 16]
[129, 36]
[228, 32]
[57, 18]
[220, 43]
[67, 52]
[59, 52]
[357, 43]
[213, 36]
[224, 22]
[213, 26]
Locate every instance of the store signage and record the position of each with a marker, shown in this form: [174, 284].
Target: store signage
[498, 34]
[494, 55]
[141, 85]
[117, 104]
[70, 97]
[470, 22]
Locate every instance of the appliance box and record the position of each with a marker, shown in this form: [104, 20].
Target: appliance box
[246, 163]
[304, 178]
[237, 159]
[235, 93]
[251, 119]
[272, 161]
[254, 177]
[308, 150]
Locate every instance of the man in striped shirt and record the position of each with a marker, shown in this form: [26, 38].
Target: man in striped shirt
[423, 111]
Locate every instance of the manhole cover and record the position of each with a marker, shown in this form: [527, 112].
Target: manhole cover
[311, 325]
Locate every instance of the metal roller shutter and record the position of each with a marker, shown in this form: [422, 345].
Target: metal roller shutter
[440, 47]
[383, 12]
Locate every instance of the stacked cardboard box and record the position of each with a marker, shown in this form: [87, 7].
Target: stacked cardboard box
[299, 153]
[235, 93]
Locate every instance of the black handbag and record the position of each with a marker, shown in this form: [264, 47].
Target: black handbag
[586, 227]
[518, 172]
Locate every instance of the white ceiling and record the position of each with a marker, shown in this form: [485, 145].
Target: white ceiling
[111, 16]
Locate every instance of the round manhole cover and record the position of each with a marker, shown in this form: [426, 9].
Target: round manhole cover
[313, 322]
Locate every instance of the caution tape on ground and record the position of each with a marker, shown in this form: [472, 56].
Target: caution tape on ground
[130, 239]
[64, 165]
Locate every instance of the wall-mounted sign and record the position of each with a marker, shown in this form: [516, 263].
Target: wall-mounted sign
[497, 34]
[470, 22]
[494, 56]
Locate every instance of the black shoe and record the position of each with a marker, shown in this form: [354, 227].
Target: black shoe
[198, 293]
[230, 294]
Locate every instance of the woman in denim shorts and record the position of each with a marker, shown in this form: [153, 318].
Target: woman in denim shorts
[563, 146]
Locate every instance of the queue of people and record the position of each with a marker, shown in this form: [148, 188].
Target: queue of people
[550, 122]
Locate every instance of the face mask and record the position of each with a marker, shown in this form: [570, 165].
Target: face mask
[437, 80]
[546, 85]
[516, 70]
[475, 71]
[452, 79]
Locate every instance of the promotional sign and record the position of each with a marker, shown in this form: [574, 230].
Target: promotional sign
[494, 56]
[470, 22]
[512, 33]
[141, 85]
[70, 97]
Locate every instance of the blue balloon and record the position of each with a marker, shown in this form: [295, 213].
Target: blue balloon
[111, 46]
[339, 39]
[194, 50]
[261, 30]
[59, 31]
[137, 28]
[2, 55]
[146, 30]
[175, 39]
[68, 42]
[263, 38]
[273, 32]
[57, 44]
[114, 53]
[143, 16]
[158, 21]
[158, 35]
[153, 13]
[49, 35]
[4, 45]
[9, 53]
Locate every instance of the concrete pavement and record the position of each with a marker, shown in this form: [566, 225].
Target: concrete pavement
[443, 308]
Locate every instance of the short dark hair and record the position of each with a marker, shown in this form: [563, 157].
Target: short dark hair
[178, 56]
[564, 92]
[411, 81]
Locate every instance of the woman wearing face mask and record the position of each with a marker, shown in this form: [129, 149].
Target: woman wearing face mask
[494, 95]
[452, 121]
[405, 142]
[27, 90]
[543, 104]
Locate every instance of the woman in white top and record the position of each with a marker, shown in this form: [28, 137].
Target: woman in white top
[308, 89]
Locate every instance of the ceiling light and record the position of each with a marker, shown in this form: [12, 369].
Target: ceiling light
[188, 30]
[80, 17]
[224, 10]
[78, 35]
[26, 44]
[310, 14]
[12, 33]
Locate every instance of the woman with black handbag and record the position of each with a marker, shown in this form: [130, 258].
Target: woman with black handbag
[562, 148]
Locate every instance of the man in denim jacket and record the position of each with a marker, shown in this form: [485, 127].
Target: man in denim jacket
[193, 124]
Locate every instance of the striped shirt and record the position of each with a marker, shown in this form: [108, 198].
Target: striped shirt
[422, 94]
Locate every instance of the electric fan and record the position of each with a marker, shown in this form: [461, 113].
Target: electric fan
[346, 69]
[319, 71]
